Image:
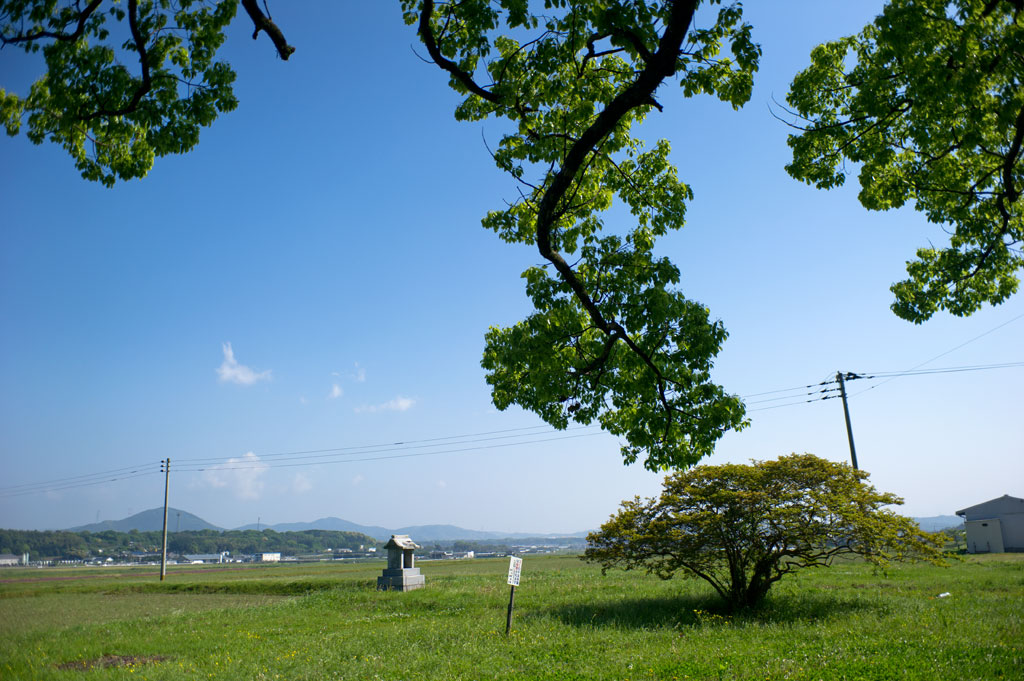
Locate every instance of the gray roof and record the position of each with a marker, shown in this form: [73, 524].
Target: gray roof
[401, 541]
[1000, 505]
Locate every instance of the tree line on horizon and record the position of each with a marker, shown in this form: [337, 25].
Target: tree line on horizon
[66, 545]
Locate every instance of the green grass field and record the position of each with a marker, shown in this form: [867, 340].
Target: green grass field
[329, 622]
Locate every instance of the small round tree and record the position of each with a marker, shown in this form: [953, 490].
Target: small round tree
[741, 528]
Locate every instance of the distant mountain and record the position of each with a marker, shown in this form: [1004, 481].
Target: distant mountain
[148, 521]
[445, 533]
[419, 533]
[184, 521]
[178, 520]
[937, 523]
[335, 524]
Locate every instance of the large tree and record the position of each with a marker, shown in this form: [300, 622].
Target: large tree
[611, 339]
[125, 82]
[927, 102]
[741, 528]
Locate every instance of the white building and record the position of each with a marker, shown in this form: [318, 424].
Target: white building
[269, 557]
[9, 559]
[995, 526]
[221, 557]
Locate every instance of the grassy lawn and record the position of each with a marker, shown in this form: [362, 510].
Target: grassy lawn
[328, 622]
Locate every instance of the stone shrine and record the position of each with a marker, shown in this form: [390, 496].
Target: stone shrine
[401, 574]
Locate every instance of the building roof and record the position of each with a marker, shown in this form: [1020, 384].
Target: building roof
[1001, 505]
[401, 541]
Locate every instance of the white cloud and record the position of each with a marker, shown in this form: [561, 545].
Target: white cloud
[358, 479]
[242, 476]
[360, 374]
[336, 392]
[230, 371]
[398, 404]
[301, 483]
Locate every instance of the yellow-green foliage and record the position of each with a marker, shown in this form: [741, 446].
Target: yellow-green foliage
[741, 527]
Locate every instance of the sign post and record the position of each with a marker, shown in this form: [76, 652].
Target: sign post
[515, 568]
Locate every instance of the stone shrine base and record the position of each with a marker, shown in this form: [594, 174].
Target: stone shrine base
[400, 579]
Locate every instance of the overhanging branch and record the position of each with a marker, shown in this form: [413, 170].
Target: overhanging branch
[262, 22]
[83, 17]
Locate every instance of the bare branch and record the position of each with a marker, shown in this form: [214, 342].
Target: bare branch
[262, 22]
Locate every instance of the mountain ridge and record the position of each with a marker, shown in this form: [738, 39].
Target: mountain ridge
[178, 520]
[183, 521]
[937, 523]
[149, 520]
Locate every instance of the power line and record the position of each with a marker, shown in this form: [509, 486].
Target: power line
[786, 390]
[944, 370]
[302, 458]
[888, 375]
[81, 478]
[791, 397]
[388, 447]
[59, 488]
[943, 354]
[968, 342]
[261, 465]
[334, 454]
[794, 404]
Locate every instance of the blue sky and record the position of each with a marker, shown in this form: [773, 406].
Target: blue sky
[314, 276]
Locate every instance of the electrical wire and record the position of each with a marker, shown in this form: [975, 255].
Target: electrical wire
[943, 370]
[304, 458]
[387, 447]
[341, 454]
[60, 488]
[262, 466]
[791, 397]
[794, 404]
[784, 390]
[81, 478]
[943, 354]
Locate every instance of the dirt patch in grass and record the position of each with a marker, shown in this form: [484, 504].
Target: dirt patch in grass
[112, 661]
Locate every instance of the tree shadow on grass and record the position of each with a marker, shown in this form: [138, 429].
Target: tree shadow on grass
[705, 610]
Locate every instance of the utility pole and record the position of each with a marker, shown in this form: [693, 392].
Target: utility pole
[165, 465]
[846, 412]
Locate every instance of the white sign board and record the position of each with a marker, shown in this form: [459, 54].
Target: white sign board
[515, 567]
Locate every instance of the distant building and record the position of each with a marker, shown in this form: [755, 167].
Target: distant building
[268, 557]
[9, 559]
[451, 555]
[221, 557]
[995, 526]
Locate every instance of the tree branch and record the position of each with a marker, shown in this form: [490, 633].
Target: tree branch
[83, 16]
[147, 82]
[262, 22]
[427, 34]
[661, 65]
